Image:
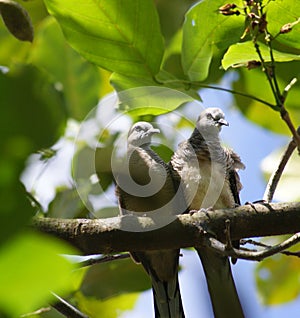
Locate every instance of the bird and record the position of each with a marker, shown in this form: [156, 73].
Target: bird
[208, 172]
[149, 187]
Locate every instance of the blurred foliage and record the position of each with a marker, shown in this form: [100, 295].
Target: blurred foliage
[74, 56]
[276, 276]
[23, 264]
[110, 279]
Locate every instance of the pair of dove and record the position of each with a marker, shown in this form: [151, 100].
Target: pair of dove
[206, 173]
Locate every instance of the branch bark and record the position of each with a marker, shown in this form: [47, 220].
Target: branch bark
[106, 235]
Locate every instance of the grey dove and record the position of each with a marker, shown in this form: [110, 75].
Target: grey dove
[149, 190]
[209, 176]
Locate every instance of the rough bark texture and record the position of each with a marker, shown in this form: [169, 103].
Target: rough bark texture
[106, 236]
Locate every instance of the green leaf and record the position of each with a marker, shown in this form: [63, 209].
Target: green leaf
[114, 278]
[31, 117]
[241, 53]
[122, 37]
[79, 79]
[151, 100]
[32, 110]
[171, 14]
[279, 13]
[108, 308]
[288, 186]
[15, 209]
[204, 30]
[16, 20]
[31, 267]
[277, 279]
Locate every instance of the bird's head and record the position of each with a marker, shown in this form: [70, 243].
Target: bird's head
[211, 121]
[140, 134]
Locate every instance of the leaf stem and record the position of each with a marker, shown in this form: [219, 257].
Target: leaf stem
[265, 70]
[200, 85]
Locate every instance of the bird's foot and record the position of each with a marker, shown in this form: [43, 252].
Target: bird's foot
[202, 210]
[192, 212]
[261, 201]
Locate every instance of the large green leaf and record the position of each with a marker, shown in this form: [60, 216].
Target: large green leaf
[141, 97]
[121, 36]
[31, 108]
[281, 12]
[171, 14]
[31, 268]
[241, 53]
[80, 79]
[204, 30]
[151, 100]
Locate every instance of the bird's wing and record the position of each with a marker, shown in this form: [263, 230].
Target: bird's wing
[162, 266]
[221, 286]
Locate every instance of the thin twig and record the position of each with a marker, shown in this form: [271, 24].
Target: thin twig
[265, 69]
[96, 259]
[67, 309]
[253, 242]
[278, 94]
[286, 117]
[36, 312]
[275, 177]
[251, 255]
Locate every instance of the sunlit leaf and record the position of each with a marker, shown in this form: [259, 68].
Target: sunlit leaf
[277, 279]
[79, 79]
[109, 308]
[113, 34]
[204, 30]
[32, 267]
[241, 53]
[281, 12]
[151, 100]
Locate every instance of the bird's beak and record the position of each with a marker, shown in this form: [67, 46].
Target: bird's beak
[223, 122]
[154, 131]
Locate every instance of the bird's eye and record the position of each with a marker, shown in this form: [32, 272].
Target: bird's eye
[209, 116]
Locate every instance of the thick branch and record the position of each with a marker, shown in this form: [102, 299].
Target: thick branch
[106, 236]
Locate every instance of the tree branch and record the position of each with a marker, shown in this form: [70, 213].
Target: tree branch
[275, 177]
[106, 235]
[252, 255]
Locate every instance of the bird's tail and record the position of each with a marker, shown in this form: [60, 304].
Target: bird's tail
[167, 298]
[222, 290]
